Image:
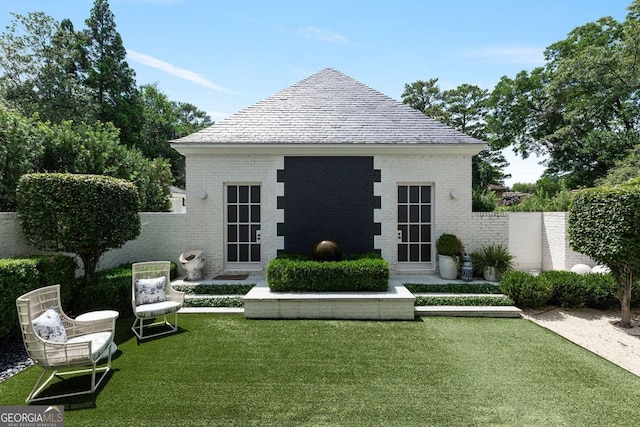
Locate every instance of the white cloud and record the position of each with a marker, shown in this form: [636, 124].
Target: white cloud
[173, 70]
[509, 55]
[323, 35]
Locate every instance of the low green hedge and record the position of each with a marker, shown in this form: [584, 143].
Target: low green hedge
[111, 290]
[215, 289]
[565, 289]
[453, 288]
[21, 275]
[475, 301]
[293, 275]
[526, 290]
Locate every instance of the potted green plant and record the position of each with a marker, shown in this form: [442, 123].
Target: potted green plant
[449, 248]
[492, 260]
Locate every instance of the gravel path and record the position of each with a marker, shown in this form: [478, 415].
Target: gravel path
[595, 330]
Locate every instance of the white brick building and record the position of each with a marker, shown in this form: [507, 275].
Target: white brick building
[328, 158]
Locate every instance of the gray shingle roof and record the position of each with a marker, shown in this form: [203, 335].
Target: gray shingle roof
[328, 107]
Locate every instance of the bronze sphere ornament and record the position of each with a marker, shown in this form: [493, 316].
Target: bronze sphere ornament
[327, 250]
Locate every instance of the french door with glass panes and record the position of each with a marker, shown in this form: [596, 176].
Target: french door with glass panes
[243, 226]
[415, 225]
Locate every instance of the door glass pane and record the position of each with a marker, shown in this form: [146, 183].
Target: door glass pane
[232, 253]
[232, 233]
[244, 213]
[232, 194]
[402, 194]
[255, 213]
[232, 213]
[243, 196]
[414, 194]
[403, 253]
[402, 213]
[255, 194]
[414, 213]
[244, 253]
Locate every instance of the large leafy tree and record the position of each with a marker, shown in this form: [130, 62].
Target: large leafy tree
[20, 152]
[109, 75]
[40, 61]
[582, 107]
[165, 120]
[464, 108]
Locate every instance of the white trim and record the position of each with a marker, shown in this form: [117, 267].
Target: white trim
[328, 149]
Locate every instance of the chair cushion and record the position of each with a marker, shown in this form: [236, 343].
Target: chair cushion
[157, 309]
[49, 326]
[149, 291]
[99, 342]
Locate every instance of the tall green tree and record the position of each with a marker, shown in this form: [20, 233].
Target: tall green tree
[581, 106]
[426, 97]
[20, 152]
[464, 108]
[109, 75]
[164, 120]
[40, 61]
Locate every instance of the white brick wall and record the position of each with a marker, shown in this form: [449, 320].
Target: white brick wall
[537, 240]
[557, 253]
[450, 177]
[205, 217]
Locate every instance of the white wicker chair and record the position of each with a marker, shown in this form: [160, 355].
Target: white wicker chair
[148, 305]
[85, 344]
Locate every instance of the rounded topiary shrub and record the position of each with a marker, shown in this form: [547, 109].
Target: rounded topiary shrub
[526, 290]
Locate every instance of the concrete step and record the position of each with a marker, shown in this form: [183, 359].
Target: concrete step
[468, 311]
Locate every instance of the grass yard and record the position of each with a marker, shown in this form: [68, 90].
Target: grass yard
[435, 371]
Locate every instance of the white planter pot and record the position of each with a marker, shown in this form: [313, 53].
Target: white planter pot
[491, 274]
[448, 267]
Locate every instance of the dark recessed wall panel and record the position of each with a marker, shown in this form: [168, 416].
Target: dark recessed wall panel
[328, 198]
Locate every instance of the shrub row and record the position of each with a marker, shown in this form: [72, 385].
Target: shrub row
[454, 288]
[21, 275]
[292, 275]
[473, 301]
[230, 301]
[563, 288]
[111, 290]
[215, 289]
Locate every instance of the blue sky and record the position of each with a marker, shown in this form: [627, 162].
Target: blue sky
[224, 56]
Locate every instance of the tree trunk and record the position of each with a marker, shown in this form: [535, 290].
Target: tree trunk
[627, 286]
[89, 262]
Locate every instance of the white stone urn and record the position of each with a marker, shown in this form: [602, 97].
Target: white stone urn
[192, 262]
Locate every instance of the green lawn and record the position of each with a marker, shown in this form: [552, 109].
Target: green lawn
[225, 370]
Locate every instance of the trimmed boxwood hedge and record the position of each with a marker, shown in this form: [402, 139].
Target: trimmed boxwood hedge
[370, 273]
[21, 275]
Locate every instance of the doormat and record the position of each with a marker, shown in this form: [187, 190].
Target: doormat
[231, 277]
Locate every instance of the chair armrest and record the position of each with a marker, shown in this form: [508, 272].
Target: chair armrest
[173, 295]
[84, 327]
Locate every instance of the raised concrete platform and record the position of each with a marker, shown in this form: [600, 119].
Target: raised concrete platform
[468, 311]
[395, 304]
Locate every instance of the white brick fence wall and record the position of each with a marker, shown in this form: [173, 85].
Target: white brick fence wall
[537, 240]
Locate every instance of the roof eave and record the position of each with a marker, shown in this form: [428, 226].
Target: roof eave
[350, 149]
